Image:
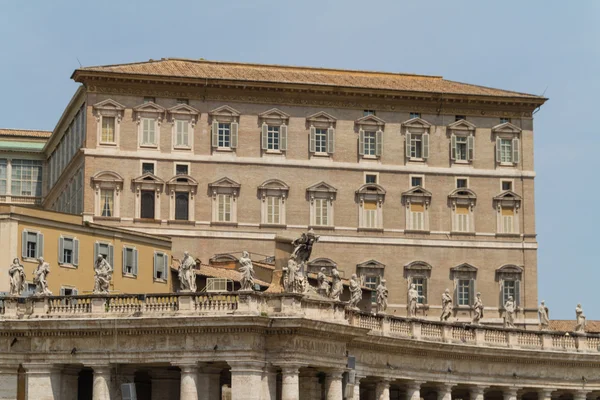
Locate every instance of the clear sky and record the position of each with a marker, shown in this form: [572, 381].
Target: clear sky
[540, 47]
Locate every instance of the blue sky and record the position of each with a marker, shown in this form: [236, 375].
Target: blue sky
[529, 46]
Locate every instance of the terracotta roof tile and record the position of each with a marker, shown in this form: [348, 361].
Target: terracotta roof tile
[563, 325]
[227, 71]
[25, 133]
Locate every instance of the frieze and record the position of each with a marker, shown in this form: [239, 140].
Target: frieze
[314, 346]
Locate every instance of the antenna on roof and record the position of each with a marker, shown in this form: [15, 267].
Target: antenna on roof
[544, 92]
[80, 66]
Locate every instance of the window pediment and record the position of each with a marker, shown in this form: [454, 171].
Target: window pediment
[274, 184]
[274, 116]
[150, 109]
[370, 121]
[463, 271]
[184, 110]
[182, 180]
[417, 268]
[462, 193]
[148, 177]
[465, 267]
[225, 114]
[506, 127]
[224, 186]
[371, 188]
[462, 126]
[370, 264]
[321, 187]
[418, 123]
[509, 271]
[508, 198]
[322, 262]
[109, 108]
[107, 177]
[321, 119]
[417, 195]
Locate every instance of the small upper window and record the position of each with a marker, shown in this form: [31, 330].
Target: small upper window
[459, 117]
[183, 101]
[461, 183]
[415, 115]
[416, 181]
[368, 112]
[506, 185]
[149, 99]
[181, 169]
[147, 168]
[370, 178]
[503, 120]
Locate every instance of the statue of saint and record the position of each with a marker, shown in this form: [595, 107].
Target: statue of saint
[40, 276]
[477, 309]
[246, 272]
[103, 275]
[187, 273]
[580, 327]
[355, 292]
[413, 300]
[303, 247]
[509, 313]
[382, 297]
[323, 284]
[446, 306]
[17, 278]
[543, 316]
[337, 288]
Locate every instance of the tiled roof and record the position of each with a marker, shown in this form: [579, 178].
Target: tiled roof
[563, 325]
[263, 74]
[25, 133]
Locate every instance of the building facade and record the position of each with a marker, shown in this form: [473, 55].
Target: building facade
[413, 178]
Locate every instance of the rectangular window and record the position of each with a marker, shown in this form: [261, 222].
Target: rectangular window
[107, 202]
[370, 143]
[370, 178]
[182, 206]
[461, 148]
[416, 181]
[417, 216]
[370, 214]
[415, 115]
[129, 261]
[224, 210]
[464, 291]
[461, 183]
[181, 133]
[147, 168]
[505, 151]
[160, 266]
[181, 169]
[321, 212]
[368, 112]
[372, 282]
[320, 140]
[273, 137]
[148, 131]
[504, 120]
[224, 135]
[459, 117]
[68, 247]
[3, 176]
[506, 185]
[462, 218]
[508, 290]
[273, 210]
[26, 178]
[108, 129]
[507, 220]
[149, 100]
[31, 245]
[416, 146]
[420, 285]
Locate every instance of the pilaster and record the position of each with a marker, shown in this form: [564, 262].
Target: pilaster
[9, 375]
[43, 382]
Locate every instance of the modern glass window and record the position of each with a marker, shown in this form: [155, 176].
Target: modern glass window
[370, 143]
[273, 210]
[26, 178]
[148, 131]
[506, 151]
[461, 148]
[273, 137]
[420, 284]
[415, 115]
[3, 176]
[320, 140]
[224, 135]
[321, 212]
[147, 204]
[181, 133]
[224, 207]
[370, 214]
[147, 168]
[108, 129]
[416, 146]
[182, 206]
[107, 197]
[464, 292]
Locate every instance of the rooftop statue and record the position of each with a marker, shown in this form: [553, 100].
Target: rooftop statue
[477, 309]
[303, 246]
[413, 300]
[382, 297]
[543, 316]
[17, 278]
[509, 313]
[355, 292]
[580, 327]
[446, 306]
[337, 288]
[187, 273]
[294, 274]
[103, 275]
[40, 276]
[246, 272]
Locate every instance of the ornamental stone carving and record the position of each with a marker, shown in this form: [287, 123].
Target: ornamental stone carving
[355, 293]
[337, 288]
[382, 297]
[580, 317]
[187, 273]
[103, 272]
[323, 286]
[477, 309]
[294, 275]
[40, 278]
[17, 278]
[509, 313]
[446, 306]
[246, 272]
[413, 300]
[543, 315]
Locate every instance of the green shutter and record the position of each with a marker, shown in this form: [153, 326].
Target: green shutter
[24, 244]
[453, 147]
[61, 250]
[96, 252]
[516, 148]
[330, 140]
[215, 133]
[471, 147]
[135, 262]
[312, 140]
[265, 130]
[155, 265]
[425, 145]
[75, 252]
[471, 292]
[110, 255]
[165, 267]
[124, 260]
[408, 145]
[425, 291]
[361, 142]
[283, 137]
[234, 135]
[379, 143]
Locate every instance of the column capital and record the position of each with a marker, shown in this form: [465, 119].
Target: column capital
[414, 385]
[290, 369]
[580, 394]
[40, 368]
[545, 392]
[479, 389]
[335, 372]
[246, 366]
[446, 387]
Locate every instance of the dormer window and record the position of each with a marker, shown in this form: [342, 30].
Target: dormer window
[370, 136]
[416, 131]
[183, 119]
[416, 202]
[225, 123]
[274, 124]
[462, 141]
[508, 144]
[149, 117]
[108, 117]
[322, 134]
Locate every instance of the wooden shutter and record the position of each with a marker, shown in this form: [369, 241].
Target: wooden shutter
[24, 244]
[471, 292]
[40, 245]
[518, 292]
[312, 139]
[470, 147]
[135, 262]
[110, 255]
[408, 149]
[283, 137]
[234, 135]
[455, 299]
[61, 250]
[75, 252]
[165, 267]
[330, 140]
[124, 266]
[501, 300]
[453, 147]
[425, 291]
[425, 138]
[379, 143]
[498, 149]
[264, 140]
[361, 142]
[155, 265]
[516, 148]
[215, 133]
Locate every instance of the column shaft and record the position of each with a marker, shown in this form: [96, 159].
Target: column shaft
[383, 390]
[42, 382]
[413, 391]
[246, 380]
[333, 385]
[101, 385]
[188, 386]
[9, 377]
[477, 392]
[269, 384]
[290, 389]
[444, 392]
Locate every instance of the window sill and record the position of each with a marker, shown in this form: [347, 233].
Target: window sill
[513, 235]
[224, 223]
[279, 226]
[111, 144]
[462, 162]
[324, 155]
[421, 231]
[68, 266]
[363, 229]
[507, 164]
[29, 259]
[273, 152]
[147, 220]
[130, 276]
[224, 149]
[462, 307]
[148, 146]
[180, 222]
[322, 227]
[97, 218]
[370, 157]
[458, 233]
[417, 160]
[186, 148]
[157, 280]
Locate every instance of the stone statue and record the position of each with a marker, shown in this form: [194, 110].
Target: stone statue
[543, 316]
[413, 300]
[509, 313]
[323, 285]
[355, 292]
[40, 276]
[247, 272]
[17, 278]
[103, 275]
[337, 288]
[187, 273]
[294, 280]
[477, 309]
[382, 297]
[446, 306]
[580, 327]
[303, 246]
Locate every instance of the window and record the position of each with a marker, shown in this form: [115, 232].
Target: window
[415, 115]
[505, 150]
[510, 277]
[147, 204]
[370, 200]
[462, 218]
[183, 101]
[416, 202]
[504, 120]
[225, 128]
[26, 178]
[107, 202]
[182, 200]
[224, 208]
[273, 210]
[370, 141]
[3, 176]
[108, 129]
[322, 133]
[368, 112]
[108, 114]
[372, 282]
[68, 291]
[32, 245]
[509, 290]
[508, 215]
[462, 141]
[370, 214]
[274, 130]
[370, 136]
[182, 193]
[148, 131]
[147, 167]
[130, 261]
[149, 100]
[417, 217]
[321, 198]
[68, 251]
[417, 146]
[105, 250]
[370, 178]
[321, 212]
[160, 266]
[464, 292]
[416, 181]
[460, 117]
[224, 194]
[224, 135]
[461, 183]
[320, 140]
[273, 194]
[181, 133]
[506, 185]
[272, 137]
[460, 146]
[181, 169]
[507, 205]
[421, 286]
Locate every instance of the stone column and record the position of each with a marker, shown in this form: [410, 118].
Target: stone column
[42, 382]
[165, 384]
[444, 391]
[413, 390]
[545, 394]
[333, 385]
[382, 390]
[290, 383]
[188, 386]
[477, 392]
[269, 383]
[101, 386]
[69, 384]
[9, 375]
[246, 380]
[356, 391]
[209, 383]
[580, 394]
[510, 393]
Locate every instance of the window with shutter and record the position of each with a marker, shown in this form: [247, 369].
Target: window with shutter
[462, 218]
[369, 143]
[370, 214]
[379, 143]
[273, 138]
[283, 137]
[234, 135]
[417, 216]
[320, 140]
[148, 132]
[181, 133]
[129, 261]
[516, 151]
[75, 252]
[224, 207]
[108, 130]
[330, 140]
[273, 209]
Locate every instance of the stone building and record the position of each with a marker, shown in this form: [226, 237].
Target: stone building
[413, 178]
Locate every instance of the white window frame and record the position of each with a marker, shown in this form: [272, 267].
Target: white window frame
[155, 185]
[142, 162]
[181, 113]
[225, 115]
[465, 130]
[510, 273]
[410, 178]
[224, 186]
[149, 111]
[165, 275]
[74, 256]
[152, 122]
[107, 180]
[108, 108]
[370, 193]
[512, 133]
[419, 270]
[413, 127]
[270, 119]
[508, 199]
[175, 133]
[277, 190]
[373, 126]
[39, 245]
[134, 267]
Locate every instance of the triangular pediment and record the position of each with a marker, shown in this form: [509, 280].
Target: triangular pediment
[370, 120]
[224, 111]
[417, 191]
[274, 113]
[274, 184]
[148, 177]
[465, 267]
[371, 264]
[371, 188]
[508, 195]
[225, 183]
[182, 180]
[183, 109]
[416, 123]
[109, 104]
[462, 125]
[321, 116]
[463, 193]
[506, 127]
[149, 108]
[321, 187]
